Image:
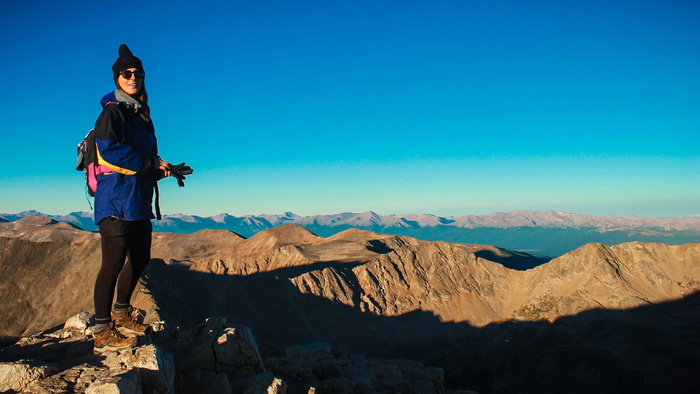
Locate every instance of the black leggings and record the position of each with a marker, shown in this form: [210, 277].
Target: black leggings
[119, 240]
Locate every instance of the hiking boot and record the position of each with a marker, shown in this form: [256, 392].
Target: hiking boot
[108, 339]
[126, 323]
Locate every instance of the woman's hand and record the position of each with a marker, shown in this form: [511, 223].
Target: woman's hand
[163, 166]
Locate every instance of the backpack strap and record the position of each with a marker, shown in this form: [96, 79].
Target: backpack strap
[158, 216]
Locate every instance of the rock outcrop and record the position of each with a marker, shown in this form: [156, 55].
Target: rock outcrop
[212, 358]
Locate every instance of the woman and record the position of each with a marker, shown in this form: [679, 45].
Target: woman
[128, 170]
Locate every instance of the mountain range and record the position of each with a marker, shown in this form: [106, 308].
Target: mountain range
[544, 234]
[600, 318]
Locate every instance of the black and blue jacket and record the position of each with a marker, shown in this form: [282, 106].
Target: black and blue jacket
[126, 148]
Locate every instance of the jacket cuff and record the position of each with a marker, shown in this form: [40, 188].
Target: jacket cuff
[147, 166]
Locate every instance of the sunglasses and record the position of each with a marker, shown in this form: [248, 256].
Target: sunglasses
[127, 74]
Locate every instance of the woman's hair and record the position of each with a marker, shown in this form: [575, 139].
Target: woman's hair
[143, 95]
[143, 98]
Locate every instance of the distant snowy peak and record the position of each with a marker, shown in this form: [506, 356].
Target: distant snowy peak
[251, 224]
[521, 218]
[364, 219]
[414, 220]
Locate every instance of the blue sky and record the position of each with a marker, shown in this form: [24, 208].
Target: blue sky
[320, 107]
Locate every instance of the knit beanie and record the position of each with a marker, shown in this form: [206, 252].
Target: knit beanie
[125, 60]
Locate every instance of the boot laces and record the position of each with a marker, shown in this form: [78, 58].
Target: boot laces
[112, 329]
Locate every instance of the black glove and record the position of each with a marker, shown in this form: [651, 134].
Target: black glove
[179, 171]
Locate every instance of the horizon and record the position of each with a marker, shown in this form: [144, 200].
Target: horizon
[33, 211]
[454, 108]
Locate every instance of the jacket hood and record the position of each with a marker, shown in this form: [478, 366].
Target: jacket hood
[107, 98]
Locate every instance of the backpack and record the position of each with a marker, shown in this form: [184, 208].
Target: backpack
[87, 161]
[87, 158]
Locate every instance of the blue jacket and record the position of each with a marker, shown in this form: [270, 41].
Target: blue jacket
[126, 146]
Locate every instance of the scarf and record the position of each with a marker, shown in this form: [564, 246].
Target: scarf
[133, 103]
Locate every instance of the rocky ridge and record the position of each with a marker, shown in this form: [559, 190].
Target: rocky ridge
[393, 275]
[387, 296]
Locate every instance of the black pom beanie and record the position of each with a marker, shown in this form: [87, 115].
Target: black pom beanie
[125, 60]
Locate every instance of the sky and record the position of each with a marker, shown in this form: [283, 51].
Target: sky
[321, 107]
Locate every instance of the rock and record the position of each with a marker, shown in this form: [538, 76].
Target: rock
[75, 379]
[312, 352]
[329, 370]
[79, 322]
[266, 383]
[239, 336]
[17, 376]
[76, 326]
[336, 386]
[155, 369]
[213, 357]
[292, 371]
[197, 381]
[235, 352]
[123, 383]
[217, 348]
[317, 366]
[217, 356]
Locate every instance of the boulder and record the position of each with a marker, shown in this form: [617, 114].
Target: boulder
[317, 366]
[123, 383]
[155, 369]
[18, 375]
[266, 383]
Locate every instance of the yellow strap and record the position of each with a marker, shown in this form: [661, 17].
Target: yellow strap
[103, 162]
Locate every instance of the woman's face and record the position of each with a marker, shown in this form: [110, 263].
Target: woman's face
[133, 84]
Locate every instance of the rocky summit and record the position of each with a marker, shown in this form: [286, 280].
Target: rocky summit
[447, 316]
[212, 358]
